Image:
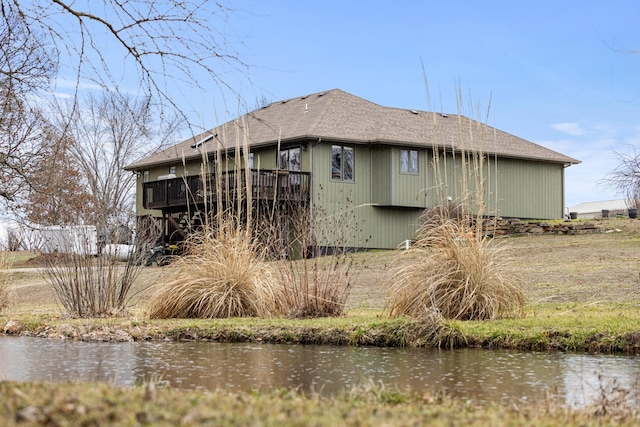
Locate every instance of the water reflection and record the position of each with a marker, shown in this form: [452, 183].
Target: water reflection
[478, 374]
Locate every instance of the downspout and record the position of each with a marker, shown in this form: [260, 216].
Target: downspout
[311, 180]
[562, 178]
[392, 177]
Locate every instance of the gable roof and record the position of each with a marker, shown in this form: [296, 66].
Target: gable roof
[336, 115]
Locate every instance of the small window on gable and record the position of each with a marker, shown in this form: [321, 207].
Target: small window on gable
[342, 163]
[145, 176]
[409, 161]
[172, 169]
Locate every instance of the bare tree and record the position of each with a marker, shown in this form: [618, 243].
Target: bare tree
[108, 131]
[20, 148]
[26, 63]
[165, 44]
[161, 48]
[25, 67]
[625, 178]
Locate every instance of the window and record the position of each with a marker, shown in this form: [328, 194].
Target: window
[409, 161]
[342, 163]
[145, 176]
[290, 159]
[172, 170]
[250, 161]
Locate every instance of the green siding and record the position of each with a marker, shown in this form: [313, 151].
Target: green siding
[390, 187]
[264, 158]
[527, 189]
[408, 190]
[383, 206]
[389, 227]
[348, 205]
[339, 206]
[381, 176]
[332, 191]
[512, 188]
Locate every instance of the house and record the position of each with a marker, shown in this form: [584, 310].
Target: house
[342, 153]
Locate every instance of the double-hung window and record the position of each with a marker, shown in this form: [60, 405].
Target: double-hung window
[290, 159]
[409, 161]
[342, 163]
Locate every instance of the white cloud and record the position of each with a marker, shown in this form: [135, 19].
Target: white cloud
[584, 181]
[571, 128]
[64, 83]
[61, 95]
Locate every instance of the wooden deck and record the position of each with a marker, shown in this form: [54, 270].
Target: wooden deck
[276, 185]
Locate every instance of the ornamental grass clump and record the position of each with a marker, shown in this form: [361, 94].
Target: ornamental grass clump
[455, 271]
[223, 274]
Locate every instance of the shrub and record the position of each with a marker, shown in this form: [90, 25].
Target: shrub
[316, 278]
[223, 274]
[454, 270]
[86, 285]
[317, 287]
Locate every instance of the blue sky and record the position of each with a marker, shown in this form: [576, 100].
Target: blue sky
[562, 74]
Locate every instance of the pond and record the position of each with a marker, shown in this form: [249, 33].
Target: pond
[482, 375]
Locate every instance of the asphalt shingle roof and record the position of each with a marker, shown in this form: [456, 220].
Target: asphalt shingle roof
[336, 115]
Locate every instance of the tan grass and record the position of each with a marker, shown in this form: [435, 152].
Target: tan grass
[455, 271]
[6, 262]
[91, 286]
[317, 287]
[222, 275]
[317, 279]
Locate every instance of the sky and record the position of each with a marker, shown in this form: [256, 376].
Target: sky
[563, 74]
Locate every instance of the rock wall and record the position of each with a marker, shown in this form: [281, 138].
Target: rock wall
[514, 226]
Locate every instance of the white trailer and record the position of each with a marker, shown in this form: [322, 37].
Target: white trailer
[76, 239]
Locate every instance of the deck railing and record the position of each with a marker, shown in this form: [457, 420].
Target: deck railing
[277, 185]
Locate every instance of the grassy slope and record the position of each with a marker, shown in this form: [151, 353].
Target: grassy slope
[102, 404]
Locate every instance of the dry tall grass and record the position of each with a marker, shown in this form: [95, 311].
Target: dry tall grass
[317, 287]
[6, 262]
[455, 272]
[316, 278]
[453, 269]
[223, 274]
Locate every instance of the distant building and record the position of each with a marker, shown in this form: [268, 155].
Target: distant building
[590, 210]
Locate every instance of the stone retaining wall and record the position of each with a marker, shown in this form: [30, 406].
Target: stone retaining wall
[514, 226]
